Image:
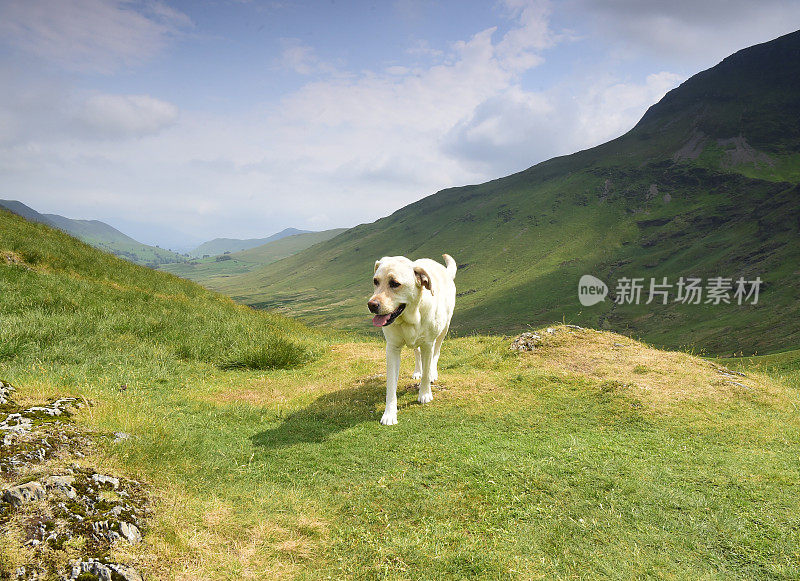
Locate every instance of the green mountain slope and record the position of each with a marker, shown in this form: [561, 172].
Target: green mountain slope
[98, 234]
[705, 186]
[223, 245]
[207, 271]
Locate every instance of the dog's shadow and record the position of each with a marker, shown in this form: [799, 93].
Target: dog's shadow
[331, 413]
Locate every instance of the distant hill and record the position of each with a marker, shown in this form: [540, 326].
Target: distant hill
[209, 271]
[706, 185]
[98, 234]
[223, 245]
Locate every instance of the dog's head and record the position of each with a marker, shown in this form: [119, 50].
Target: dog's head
[398, 283]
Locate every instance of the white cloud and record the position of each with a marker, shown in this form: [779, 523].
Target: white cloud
[516, 129]
[687, 31]
[42, 112]
[518, 49]
[89, 35]
[302, 58]
[115, 116]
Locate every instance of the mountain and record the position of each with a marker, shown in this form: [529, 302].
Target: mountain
[705, 186]
[98, 234]
[208, 271]
[223, 245]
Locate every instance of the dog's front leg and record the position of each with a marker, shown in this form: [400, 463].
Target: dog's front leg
[392, 376]
[417, 365]
[426, 353]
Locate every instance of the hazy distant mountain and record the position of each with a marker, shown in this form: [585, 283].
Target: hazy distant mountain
[211, 272]
[98, 234]
[223, 245]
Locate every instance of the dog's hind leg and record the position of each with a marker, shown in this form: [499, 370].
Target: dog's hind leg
[417, 375]
[437, 347]
[425, 393]
[392, 376]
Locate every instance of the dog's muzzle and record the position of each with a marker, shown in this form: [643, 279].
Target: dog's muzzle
[388, 319]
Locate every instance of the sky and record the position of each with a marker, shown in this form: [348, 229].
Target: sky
[182, 121]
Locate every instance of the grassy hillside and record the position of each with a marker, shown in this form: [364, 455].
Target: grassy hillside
[63, 302]
[98, 234]
[706, 185]
[208, 271]
[258, 439]
[223, 245]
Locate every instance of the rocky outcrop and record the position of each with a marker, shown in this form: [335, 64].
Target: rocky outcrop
[55, 500]
[23, 493]
[529, 341]
[103, 571]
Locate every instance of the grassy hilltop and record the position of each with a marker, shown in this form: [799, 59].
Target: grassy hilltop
[706, 185]
[258, 439]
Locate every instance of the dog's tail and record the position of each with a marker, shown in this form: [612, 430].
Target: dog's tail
[451, 265]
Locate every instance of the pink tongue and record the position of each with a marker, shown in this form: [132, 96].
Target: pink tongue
[380, 320]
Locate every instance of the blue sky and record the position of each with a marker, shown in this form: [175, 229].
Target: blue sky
[179, 122]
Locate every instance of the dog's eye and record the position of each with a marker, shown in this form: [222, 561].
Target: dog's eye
[394, 284]
[375, 281]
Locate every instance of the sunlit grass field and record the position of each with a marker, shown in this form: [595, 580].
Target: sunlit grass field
[595, 456]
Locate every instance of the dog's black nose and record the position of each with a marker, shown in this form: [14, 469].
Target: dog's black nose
[374, 306]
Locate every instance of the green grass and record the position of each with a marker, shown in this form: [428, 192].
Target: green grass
[259, 439]
[784, 366]
[66, 305]
[98, 234]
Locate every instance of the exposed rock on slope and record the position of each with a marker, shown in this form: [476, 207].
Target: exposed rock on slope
[54, 512]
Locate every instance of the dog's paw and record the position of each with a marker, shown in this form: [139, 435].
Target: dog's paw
[425, 397]
[434, 377]
[389, 418]
[417, 375]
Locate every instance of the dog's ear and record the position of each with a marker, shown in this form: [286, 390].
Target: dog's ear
[423, 279]
[377, 264]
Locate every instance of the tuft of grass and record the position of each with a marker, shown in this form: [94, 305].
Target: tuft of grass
[276, 353]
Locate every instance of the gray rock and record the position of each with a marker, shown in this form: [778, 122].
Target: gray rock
[16, 423]
[130, 532]
[104, 571]
[63, 484]
[127, 573]
[5, 392]
[22, 493]
[102, 479]
[526, 342]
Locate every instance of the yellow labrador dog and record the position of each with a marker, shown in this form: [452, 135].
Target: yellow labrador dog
[413, 302]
